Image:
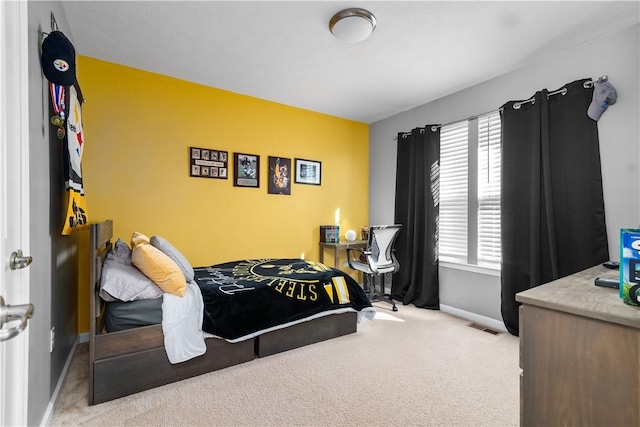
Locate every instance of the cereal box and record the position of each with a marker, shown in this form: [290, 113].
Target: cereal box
[629, 262]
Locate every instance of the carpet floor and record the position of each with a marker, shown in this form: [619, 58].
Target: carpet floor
[411, 367]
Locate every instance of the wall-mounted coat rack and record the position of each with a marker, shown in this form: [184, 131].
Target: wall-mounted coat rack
[54, 24]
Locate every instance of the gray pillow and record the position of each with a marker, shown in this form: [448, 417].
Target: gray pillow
[121, 253]
[126, 283]
[175, 255]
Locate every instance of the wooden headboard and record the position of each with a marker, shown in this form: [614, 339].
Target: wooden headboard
[101, 234]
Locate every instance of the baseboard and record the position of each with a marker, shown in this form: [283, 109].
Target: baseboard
[46, 418]
[477, 318]
[84, 337]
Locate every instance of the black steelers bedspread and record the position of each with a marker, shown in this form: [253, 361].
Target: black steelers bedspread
[245, 298]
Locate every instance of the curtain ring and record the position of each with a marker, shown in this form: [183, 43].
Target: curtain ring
[434, 128]
[517, 105]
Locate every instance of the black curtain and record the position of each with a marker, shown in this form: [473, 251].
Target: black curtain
[417, 207]
[552, 206]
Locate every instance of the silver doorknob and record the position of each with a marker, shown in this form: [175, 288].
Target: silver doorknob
[17, 260]
[9, 313]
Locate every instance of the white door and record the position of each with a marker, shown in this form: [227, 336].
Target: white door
[14, 207]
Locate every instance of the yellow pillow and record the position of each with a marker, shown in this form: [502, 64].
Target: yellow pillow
[138, 238]
[158, 267]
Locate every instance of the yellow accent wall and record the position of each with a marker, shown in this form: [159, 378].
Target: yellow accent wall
[138, 129]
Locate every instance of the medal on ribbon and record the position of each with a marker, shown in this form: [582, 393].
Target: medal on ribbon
[57, 121]
[57, 101]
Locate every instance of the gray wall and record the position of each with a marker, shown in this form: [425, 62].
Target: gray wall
[54, 272]
[617, 56]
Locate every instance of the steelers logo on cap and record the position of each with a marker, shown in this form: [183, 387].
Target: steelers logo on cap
[61, 65]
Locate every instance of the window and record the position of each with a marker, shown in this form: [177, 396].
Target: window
[469, 222]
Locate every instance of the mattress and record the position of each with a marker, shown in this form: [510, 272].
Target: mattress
[120, 316]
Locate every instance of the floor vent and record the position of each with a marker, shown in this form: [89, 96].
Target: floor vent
[483, 328]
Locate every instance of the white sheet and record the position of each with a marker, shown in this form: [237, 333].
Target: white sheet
[365, 313]
[182, 325]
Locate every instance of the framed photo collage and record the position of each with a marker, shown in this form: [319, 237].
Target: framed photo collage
[210, 163]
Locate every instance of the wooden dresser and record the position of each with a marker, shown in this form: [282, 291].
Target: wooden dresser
[579, 354]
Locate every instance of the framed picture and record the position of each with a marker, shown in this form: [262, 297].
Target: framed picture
[247, 170]
[308, 172]
[208, 163]
[279, 175]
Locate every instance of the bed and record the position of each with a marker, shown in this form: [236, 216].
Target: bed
[128, 356]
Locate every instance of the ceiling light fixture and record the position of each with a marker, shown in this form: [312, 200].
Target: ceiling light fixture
[352, 25]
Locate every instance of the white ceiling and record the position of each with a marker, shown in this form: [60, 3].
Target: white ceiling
[283, 51]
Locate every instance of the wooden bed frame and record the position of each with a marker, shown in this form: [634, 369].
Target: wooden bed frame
[126, 362]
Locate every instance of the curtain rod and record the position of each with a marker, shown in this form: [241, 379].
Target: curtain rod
[563, 91]
[435, 127]
[587, 84]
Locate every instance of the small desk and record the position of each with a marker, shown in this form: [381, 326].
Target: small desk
[342, 246]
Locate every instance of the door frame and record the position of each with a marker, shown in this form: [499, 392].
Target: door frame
[14, 193]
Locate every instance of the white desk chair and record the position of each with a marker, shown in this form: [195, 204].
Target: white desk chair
[376, 260]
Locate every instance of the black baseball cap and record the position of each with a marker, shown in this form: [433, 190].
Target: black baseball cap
[58, 59]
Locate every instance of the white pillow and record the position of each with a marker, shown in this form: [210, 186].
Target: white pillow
[126, 283]
[175, 255]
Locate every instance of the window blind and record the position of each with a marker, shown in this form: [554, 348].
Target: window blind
[489, 164]
[454, 160]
